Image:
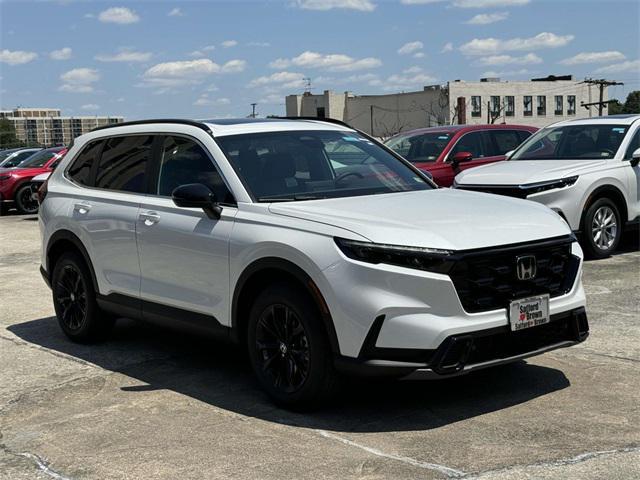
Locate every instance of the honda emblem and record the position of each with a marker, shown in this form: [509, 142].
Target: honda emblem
[526, 267]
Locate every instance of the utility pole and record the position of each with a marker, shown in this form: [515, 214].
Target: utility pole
[601, 83]
[307, 84]
[253, 110]
[371, 118]
[488, 112]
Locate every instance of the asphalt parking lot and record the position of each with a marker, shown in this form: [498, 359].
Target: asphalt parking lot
[153, 404]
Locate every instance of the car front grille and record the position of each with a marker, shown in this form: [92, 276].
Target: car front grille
[487, 279]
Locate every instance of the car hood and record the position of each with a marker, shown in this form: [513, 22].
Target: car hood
[442, 218]
[519, 172]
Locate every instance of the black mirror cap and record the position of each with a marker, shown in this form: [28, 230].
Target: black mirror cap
[197, 195]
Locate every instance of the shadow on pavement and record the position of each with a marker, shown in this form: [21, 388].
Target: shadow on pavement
[219, 375]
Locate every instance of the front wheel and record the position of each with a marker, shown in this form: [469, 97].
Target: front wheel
[25, 201]
[289, 348]
[601, 228]
[74, 300]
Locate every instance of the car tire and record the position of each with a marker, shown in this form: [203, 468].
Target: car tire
[601, 229]
[74, 300]
[289, 348]
[24, 203]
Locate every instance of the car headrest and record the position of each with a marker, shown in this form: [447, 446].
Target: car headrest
[278, 166]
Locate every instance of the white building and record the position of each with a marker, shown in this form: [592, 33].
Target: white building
[538, 102]
[45, 126]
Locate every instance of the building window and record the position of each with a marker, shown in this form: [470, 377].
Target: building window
[495, 104]
[527, 103]
[476, 106]
[510, 106]
[571, 104]
[559, 110]
[320, 112]
[542, 105]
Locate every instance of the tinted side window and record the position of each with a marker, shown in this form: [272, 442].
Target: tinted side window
[505, 141]
[524, 134]
[80, 170]
[633, 145]
[472, 142]
[123, 163]
[183, 161]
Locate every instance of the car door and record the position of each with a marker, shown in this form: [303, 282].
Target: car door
[475, 142]
[106, 213]
[184, 254]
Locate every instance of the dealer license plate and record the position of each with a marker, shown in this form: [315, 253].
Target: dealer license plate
[529, 312]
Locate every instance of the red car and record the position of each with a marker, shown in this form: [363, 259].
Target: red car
[447, 150]
[15, 182]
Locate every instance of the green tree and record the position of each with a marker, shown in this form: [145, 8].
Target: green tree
[615, 107]
[8, 137]
[632, 105]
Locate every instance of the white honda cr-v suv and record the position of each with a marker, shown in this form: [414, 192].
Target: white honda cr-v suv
[310, 244]
[586, 170]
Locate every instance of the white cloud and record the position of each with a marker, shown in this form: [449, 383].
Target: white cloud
[17, 57]
[281, 79]
[125, 55]
[488, 46]
[628, 66]
[487, 18]
[493, 60]
[90, 106]
[272, 99]
[258, 44]
[332, 62]
[414, 69]
[205, 101]
[420, 2]
[119, 15]
[403, 82]
[62, 54]
[79, 80]
[410, 47]
[489, 3]
[594, 57]
[202, 52]
[506, 73]
[361, 5]
[360, 78]
[234, 66]
[418, 55]
[175, 12]
[229, 43]
[447, 47]
[174, 74]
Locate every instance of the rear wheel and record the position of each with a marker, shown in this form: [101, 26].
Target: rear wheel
[74, 300]
[25, 201]
[289, 348]
[601, 228]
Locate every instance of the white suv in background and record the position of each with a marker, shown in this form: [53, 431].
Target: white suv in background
[586, 170]
[251, 230]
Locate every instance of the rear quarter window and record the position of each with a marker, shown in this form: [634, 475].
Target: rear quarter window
[80, 169]
[123, 163]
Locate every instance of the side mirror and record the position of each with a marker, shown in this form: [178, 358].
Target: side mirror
[197, 195]
[635, 158]
[507, 155]
[461, 157]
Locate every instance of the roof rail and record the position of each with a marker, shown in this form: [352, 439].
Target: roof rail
[317, 119]
[181, 121]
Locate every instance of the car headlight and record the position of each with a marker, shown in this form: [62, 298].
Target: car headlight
[532, 188]
[428, 259]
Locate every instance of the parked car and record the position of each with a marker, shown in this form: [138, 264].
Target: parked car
[15, 156]
[586, 170]
[14, 182]
[447, 150]
[243, 228]
[36, 184]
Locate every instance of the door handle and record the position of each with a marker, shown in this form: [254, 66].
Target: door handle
[82, 208]
[150, 218]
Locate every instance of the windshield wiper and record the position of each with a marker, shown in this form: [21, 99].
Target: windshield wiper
[292, 198]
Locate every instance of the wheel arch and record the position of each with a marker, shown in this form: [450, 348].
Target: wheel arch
[66, 241]
[267, 270]
[607, 191]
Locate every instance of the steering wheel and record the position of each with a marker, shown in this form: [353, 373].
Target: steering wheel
[344, 175]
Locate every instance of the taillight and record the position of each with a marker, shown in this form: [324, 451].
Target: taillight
[42, 192]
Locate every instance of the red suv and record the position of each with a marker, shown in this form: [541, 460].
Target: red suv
[445, 151]
[14, 182]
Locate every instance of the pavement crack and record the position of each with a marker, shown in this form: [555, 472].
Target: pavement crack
[37, 460]
[446, 471]
[583, 457]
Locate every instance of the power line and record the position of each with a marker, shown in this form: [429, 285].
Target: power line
[601, 84]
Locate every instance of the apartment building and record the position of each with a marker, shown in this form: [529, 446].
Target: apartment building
[537, 102]
[46, 127]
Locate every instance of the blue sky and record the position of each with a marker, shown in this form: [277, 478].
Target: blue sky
[208, 59]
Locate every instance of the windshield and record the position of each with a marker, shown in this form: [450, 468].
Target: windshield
[308, 165]
[570, 142]
[39, 159]
[16, 159]
[424, 147]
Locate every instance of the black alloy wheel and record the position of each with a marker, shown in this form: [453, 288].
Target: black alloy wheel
[71, 294]
[26, 203]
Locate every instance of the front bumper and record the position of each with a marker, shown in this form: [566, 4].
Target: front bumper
[463, 353]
